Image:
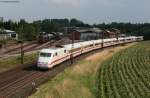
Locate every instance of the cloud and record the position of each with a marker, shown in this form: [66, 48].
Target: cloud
[91, 11]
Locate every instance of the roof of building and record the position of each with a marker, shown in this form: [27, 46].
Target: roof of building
[97, 30]
[85, 30]
[82, 30]
[6, 31]
[109, 32]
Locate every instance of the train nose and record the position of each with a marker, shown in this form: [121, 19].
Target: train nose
[42, 65]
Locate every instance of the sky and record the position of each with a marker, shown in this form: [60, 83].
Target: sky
[89, 11]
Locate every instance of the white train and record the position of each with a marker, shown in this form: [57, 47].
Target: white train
[50, 57]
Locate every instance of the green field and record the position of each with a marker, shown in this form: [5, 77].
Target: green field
[126, 74]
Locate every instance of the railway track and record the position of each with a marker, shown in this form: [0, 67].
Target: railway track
[17, 48]
[29, 48]
[22, 81]
[12, 83]
[36, 46]
[18, 78]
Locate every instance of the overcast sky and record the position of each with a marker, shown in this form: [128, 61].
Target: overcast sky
[89, 11]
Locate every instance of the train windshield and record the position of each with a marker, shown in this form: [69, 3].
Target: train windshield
[45, 54]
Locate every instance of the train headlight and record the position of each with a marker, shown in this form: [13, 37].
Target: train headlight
[43, 63]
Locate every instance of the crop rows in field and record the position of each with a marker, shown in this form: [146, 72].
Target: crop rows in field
[126, 74]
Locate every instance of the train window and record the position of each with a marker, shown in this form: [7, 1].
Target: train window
[45, 54]
[73, 50]
[97, 44]
[56, 54]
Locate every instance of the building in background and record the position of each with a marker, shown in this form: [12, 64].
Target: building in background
[87, 34]
[8, 34]
[110, 34]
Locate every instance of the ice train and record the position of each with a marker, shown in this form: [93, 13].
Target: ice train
[50, 57]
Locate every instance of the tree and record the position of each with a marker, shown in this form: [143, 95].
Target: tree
[2, 39]
[29, 32]
[75, 22]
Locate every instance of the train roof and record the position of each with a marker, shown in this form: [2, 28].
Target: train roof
[86, 43]
[69, 46]
[81, 44]
[51, 50]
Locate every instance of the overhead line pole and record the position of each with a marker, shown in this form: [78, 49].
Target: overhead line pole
[72, 58]
[102, 43]
[21, 48]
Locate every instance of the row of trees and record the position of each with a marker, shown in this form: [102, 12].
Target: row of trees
[30, 31]
[129, 28]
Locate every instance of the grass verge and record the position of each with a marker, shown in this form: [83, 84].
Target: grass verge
[11, 62]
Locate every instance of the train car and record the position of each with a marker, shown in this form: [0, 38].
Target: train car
[48, 58]
[42, 38]
[139, 38]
